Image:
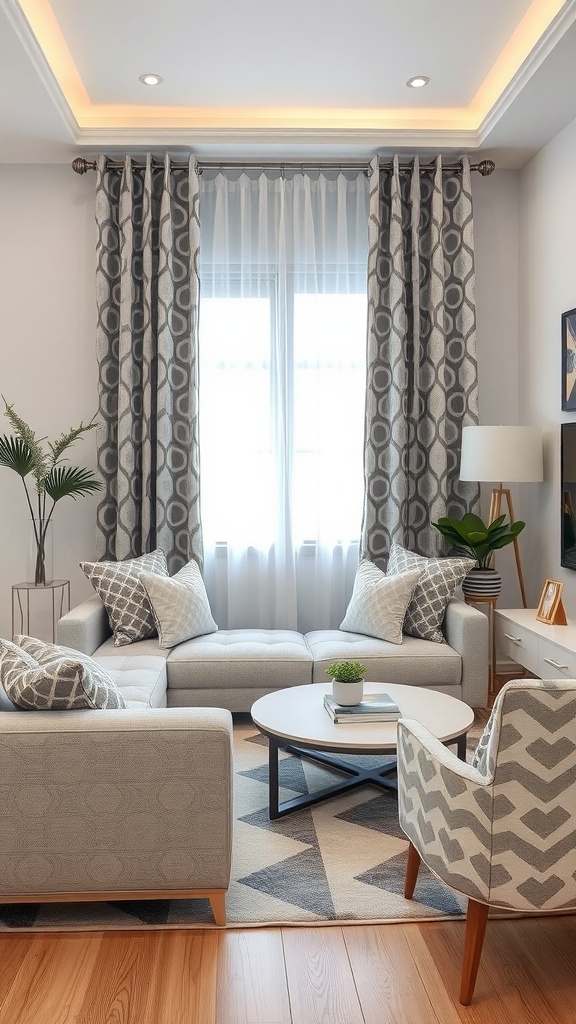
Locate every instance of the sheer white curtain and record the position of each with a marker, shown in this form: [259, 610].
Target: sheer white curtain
[282, 338]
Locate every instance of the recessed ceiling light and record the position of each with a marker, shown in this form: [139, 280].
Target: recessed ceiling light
[418, 82]
[151, 79]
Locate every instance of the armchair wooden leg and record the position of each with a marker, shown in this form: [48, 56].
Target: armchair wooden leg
[412, 868]
[476, 918]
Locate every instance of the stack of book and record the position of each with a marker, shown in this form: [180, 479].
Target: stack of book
[375, 707]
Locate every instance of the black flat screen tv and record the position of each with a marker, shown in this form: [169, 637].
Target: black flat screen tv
[568, 484]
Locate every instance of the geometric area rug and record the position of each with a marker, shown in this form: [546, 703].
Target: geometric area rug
[340, 861]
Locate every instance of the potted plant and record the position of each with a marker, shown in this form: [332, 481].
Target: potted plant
[347, 681]
[25, 454]
[480, 541]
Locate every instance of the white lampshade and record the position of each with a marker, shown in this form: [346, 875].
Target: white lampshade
[511, 454]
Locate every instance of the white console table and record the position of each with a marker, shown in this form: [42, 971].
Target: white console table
[548, 652]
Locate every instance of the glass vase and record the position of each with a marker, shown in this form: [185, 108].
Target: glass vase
[40, 566]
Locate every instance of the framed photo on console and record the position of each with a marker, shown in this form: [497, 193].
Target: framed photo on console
[550, 608]
[569, 359]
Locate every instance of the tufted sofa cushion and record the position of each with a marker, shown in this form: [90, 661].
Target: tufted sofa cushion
[415, 662]
[241, 659]
[139, 671]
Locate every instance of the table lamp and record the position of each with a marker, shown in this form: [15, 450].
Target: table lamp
[511, 454]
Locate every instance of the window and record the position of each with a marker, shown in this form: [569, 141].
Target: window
[282, 336]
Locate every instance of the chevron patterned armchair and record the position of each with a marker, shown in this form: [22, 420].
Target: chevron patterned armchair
[501, 831]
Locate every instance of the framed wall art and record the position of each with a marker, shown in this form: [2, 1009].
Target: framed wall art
[569, 359]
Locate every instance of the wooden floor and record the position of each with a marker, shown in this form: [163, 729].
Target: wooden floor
[356, 974]
[404, 973]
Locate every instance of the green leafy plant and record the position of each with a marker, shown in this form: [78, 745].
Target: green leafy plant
[472, 535]
[346, 671]
[24, 453]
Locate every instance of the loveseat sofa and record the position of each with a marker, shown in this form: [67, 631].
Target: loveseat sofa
[233, 668]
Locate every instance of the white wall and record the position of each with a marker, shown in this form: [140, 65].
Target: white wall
[47, 357]
[496, 242]
[47, 344]
[547, 206]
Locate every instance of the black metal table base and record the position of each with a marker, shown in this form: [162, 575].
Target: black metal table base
[380, 776]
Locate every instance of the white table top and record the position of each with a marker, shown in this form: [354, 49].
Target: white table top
[297, 714]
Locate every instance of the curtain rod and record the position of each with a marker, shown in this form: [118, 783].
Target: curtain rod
[81, 166]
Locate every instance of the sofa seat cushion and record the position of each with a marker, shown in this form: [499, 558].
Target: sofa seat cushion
[239, 659]
[139, 671]
[415, 661]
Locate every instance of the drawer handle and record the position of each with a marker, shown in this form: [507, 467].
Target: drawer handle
[514, 639]
[555, 664]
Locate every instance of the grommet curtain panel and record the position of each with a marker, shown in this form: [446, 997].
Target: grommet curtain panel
[422, 381]
[147, 296]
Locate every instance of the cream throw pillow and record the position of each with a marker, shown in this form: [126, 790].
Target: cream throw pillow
[179, 605]
[379, 602]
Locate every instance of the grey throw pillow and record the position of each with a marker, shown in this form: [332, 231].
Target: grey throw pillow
[179, 604]
[45, 653]
[60, 684]
[119, 588]
[438, 581]
[379, 602]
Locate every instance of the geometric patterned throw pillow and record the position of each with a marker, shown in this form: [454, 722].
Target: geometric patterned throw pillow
[438, 581]
[379, 602]
[45, 653]
[119, 588]
[179, 604]
[62, 684]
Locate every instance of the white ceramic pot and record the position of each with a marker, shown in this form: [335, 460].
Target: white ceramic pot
[347, 693]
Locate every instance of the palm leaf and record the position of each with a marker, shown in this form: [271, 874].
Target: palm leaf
[70, 481]
[15, 454]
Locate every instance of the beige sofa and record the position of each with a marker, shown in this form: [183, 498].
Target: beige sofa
[233, 667]
[138, 803]
[104, 805]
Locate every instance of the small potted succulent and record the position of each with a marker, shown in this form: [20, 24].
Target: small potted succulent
[347, 681]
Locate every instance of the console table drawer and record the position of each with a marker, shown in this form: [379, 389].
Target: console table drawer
[555, 662]
[517, 643]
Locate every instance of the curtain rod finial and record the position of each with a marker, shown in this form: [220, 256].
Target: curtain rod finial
[81, 166]
[485, 167]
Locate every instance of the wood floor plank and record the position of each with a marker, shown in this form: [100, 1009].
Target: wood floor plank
[184, 983]
[121, 986]
[320, 978]
[445, 942]
[395, 978]
[543, 979]
[51, 983]
[512, 986]
[252, 986]
[13, 951]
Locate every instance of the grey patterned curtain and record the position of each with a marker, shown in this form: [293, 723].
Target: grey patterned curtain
[147, 295]
[422, 384]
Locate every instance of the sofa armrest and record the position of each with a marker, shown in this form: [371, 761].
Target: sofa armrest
[115, 801]
[85, 627]
[467, 631]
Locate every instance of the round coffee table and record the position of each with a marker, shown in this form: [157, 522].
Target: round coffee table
[295, 720]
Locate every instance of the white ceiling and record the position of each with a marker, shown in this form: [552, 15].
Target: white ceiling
[264, 78]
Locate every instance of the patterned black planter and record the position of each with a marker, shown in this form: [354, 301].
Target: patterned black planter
[482, 583]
